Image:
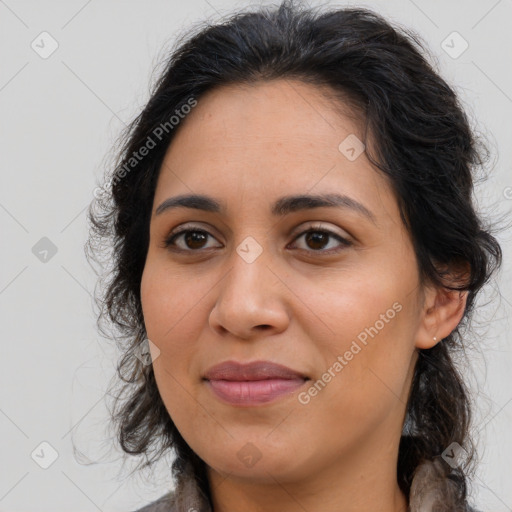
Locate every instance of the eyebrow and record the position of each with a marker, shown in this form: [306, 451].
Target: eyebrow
[282, 207]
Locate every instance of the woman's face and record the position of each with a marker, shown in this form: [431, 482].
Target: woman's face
[249, 283]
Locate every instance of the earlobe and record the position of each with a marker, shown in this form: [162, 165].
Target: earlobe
[443, 311]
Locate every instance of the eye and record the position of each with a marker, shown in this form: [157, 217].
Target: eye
[193, 240]
[317, 239]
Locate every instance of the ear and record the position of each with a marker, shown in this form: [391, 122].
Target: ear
[442, 311]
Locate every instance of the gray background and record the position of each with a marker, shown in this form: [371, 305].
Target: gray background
[60, 116]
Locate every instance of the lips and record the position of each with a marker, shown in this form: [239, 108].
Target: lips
[253, 384]
[254, 371]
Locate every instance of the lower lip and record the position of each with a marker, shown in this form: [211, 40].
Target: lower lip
[253, 392]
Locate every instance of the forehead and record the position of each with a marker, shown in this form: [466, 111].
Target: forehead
[281, 136]
[279, 114]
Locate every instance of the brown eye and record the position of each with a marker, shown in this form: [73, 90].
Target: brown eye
[195, 239]
[191, 240]
[318, 239]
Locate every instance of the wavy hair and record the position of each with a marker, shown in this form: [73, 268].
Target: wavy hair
[422, 142]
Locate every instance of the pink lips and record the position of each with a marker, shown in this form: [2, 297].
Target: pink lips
[253, 383]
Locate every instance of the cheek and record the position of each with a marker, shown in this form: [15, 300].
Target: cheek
[171, 310]
[171, 303]
[359, 303]
[171, 307]
[369, 339]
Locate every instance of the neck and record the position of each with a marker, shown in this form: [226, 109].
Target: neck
[357, 482]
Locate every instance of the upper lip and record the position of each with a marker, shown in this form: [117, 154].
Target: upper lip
[256, 370]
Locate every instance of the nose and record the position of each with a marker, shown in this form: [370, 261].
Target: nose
[251, 300]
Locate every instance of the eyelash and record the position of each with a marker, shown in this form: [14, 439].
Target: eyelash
[170, 241]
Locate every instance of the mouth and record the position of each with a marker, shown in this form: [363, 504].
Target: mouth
[251, 384]
[253, 371]
[255, 392]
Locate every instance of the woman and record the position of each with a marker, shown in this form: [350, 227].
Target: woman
[295, 244]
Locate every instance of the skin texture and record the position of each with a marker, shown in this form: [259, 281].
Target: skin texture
[298, 303]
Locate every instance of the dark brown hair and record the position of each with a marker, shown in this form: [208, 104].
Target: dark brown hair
[423, 144]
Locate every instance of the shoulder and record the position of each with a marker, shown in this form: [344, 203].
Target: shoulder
[162, 504]
[166, 504]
